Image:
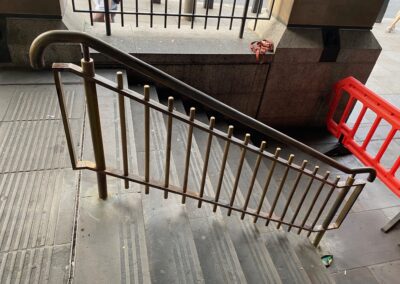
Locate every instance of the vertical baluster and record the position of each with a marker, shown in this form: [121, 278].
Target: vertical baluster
[335, 207]
[303, 198]
[291, 194]
[244, 18]
[253, 178]
[321, 209]
[107, 17]
[165, 15]
[219, 13]
[206, 159]
[259, 8]
[222, 170]
[147, 137]
[266, 186]
[168, 147]
[238, 173]
[124, 143]
[94, 122]
[121, 3]
[188, 151]
[90, 11]
[64, 116]
[349, 203]
[193, 11]
[137, 12]
[281, 185]
[151, 13]
[180, 14]
[206, 3]
[233, 14]
[313, 202]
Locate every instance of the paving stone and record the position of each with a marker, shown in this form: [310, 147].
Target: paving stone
[387, 272]
[111, 242]
[355, 276]
[391, 212]
[376, 247]
[37, 215]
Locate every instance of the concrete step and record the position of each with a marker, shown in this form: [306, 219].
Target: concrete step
[256, 263]
[310, 259]
[297, 250]
[173, 255]
[249, 239]
[110, 236]
[217, 253]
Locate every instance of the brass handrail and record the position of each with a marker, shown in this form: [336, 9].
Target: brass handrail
[39, 45]
[241, 205]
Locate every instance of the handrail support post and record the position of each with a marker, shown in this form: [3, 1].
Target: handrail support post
[334, 209]
[95, 126]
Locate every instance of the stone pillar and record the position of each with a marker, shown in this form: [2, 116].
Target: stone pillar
[49, 8]
[27, 19]
[188, 8]
[314, 49]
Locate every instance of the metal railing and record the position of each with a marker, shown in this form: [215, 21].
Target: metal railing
[324, 201]
[228, 12]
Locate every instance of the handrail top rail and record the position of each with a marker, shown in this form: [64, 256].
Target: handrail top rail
[41, 42]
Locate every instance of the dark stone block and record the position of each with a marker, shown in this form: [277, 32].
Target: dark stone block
[4, 53]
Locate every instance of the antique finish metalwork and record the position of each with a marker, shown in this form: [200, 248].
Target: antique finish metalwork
[321, 205]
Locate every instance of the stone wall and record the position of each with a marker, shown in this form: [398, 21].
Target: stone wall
[340, 13]
[298, 89]
[32, 7]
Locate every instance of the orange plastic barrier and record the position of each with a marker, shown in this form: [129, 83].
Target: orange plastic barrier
[348, 92]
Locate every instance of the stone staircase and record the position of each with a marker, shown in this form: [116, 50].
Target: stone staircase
[132, 237]
[188, 244]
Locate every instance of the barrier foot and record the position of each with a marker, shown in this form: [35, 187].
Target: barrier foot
[338, 150]
[391, 224]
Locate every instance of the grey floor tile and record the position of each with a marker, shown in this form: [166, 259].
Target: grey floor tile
[391, 212]
[26, 76]
[387, 273]
[355, 276]
[376, 195]
[360, 242]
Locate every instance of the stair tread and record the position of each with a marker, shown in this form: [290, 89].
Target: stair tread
[191, 244]
[217, 254]
[171, 246]
[249, 239]
[322, 274]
